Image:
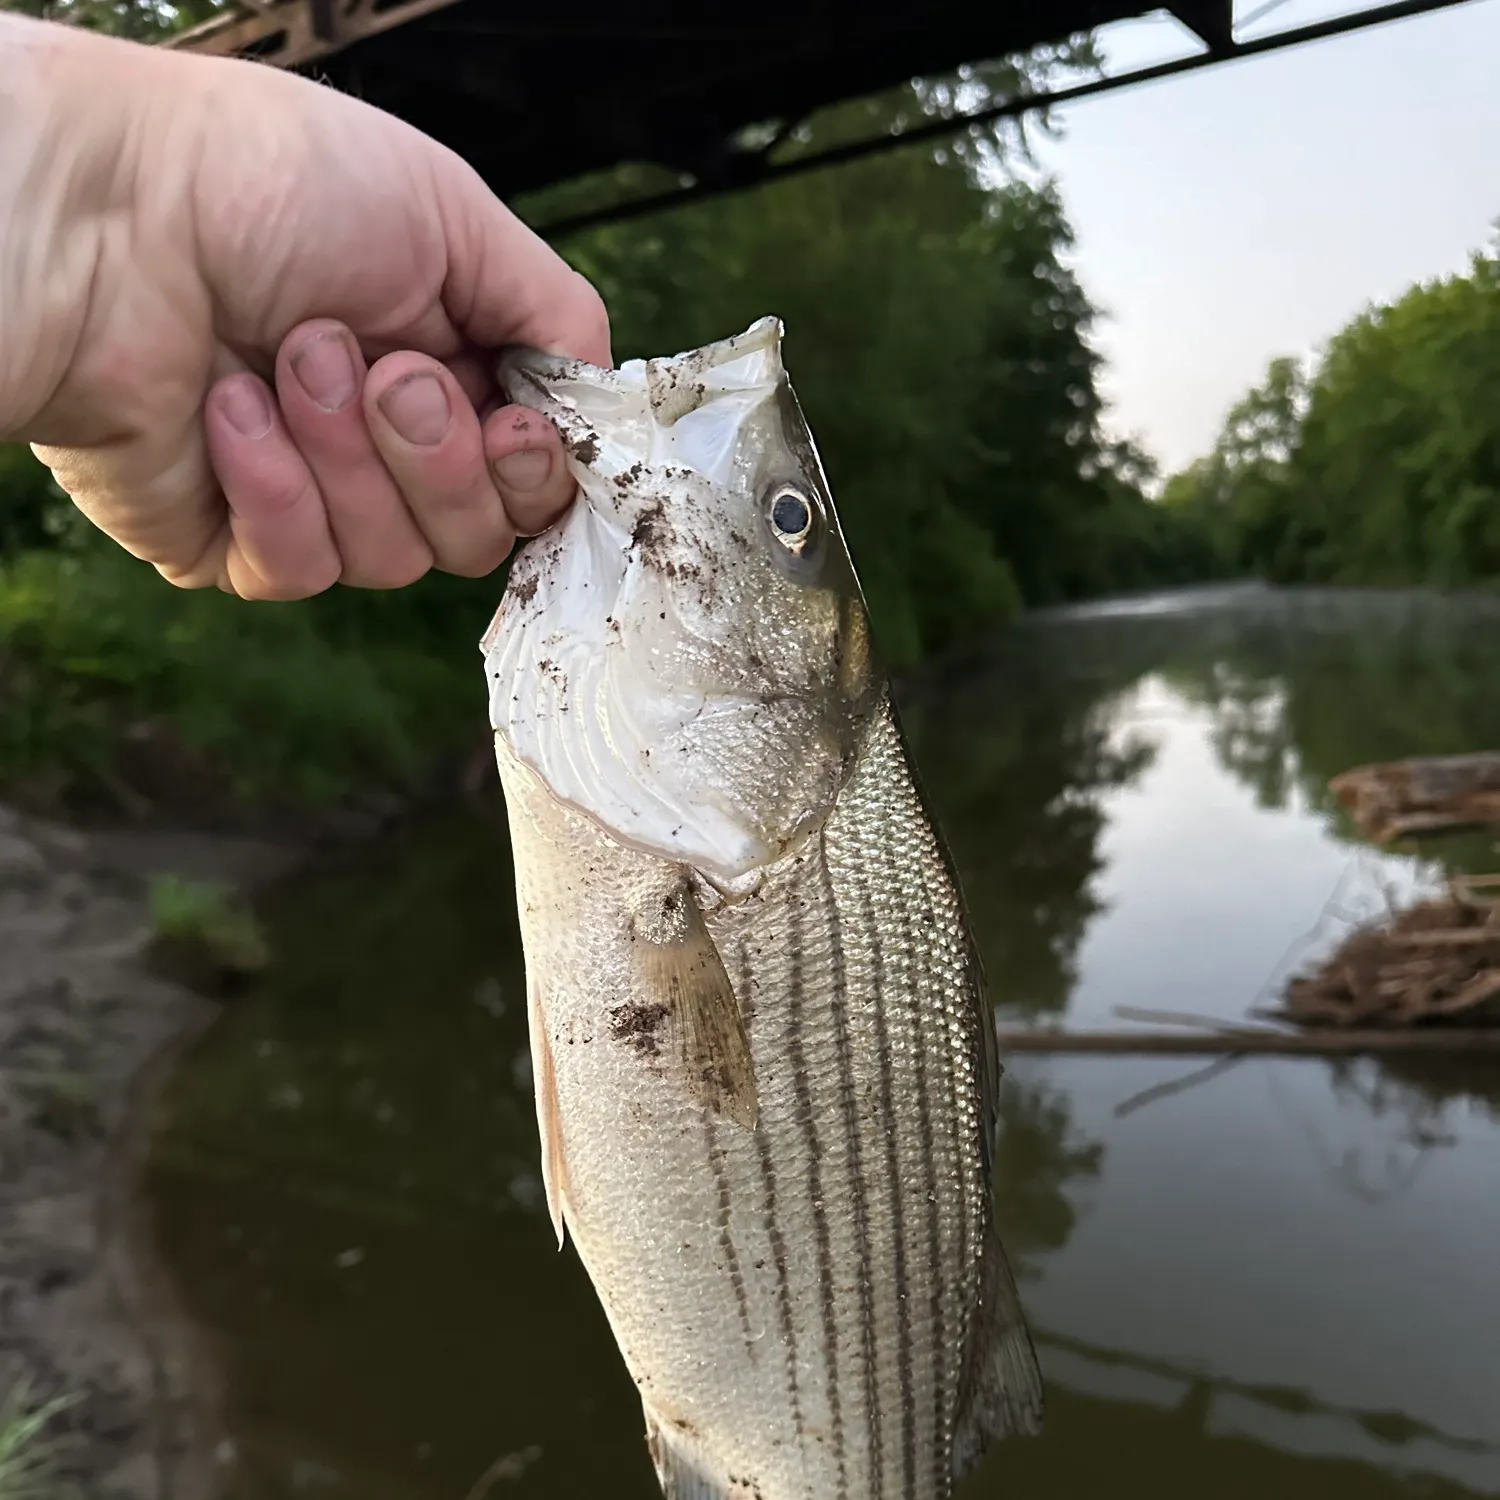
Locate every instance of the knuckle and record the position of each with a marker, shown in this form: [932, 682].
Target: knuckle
[272, 489]
[396, 572]
[285, 585]
[482, 557]
[447, 498]
[321, 574]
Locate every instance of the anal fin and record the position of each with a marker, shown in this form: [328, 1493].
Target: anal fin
[1001, 1392]
[548, 1112]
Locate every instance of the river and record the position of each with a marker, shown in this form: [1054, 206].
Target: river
[1281, 1279]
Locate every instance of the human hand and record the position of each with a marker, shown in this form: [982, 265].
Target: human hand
[246, 321]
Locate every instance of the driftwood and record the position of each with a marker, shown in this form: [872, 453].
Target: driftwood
[1430, 794]
[1255, 1040]
[1435, 964]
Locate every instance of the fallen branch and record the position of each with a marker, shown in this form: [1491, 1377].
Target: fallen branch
[1177, 1018]
[1250, 1040]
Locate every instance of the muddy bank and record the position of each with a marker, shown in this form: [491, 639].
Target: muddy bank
[86, 1029]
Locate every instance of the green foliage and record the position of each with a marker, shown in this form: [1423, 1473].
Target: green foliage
[27, 1455]
[140, 20]
[117, 688]
[1382, 465]
[33, 510]
[209, 918]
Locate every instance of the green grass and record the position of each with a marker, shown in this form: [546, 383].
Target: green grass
[209, 921]
[28, 1454]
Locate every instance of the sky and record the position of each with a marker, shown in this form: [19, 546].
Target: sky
[1252, 208]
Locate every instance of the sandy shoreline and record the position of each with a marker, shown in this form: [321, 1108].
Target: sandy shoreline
[86, 1032]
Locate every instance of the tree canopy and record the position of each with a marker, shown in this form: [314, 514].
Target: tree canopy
[1377, 464]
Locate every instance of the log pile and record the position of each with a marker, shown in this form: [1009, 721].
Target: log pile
[1431, 794]
[1435, 964]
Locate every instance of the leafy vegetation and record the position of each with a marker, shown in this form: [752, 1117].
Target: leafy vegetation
[208, 922]
[140, 20]
[1379, 464]
[28, 1459]
[118, 690]
[940, 347]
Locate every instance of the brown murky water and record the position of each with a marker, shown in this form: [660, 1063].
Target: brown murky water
[1281, 1281]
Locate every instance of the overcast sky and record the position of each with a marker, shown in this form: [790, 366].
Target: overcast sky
[1248, 210]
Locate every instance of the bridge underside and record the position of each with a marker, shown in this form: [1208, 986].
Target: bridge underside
[533, 95]
[533, 98]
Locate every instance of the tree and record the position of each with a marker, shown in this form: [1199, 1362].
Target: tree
[140, 20]
[1401, 442]
[1382, 464]
[940, 345]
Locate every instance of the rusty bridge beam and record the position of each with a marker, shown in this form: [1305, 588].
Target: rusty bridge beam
[291, 33]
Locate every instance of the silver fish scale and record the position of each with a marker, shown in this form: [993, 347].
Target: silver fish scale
[794, 1302]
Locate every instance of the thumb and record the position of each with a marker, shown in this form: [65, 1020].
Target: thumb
[505, 284]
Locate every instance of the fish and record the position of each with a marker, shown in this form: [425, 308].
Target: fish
[764, 1063]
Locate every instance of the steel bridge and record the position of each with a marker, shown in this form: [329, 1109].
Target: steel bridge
[534, 95]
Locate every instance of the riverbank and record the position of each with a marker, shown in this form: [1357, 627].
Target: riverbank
[86, 1030]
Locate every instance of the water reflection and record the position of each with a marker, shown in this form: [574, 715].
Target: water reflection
[1018, 761]
[1042, 1166]
[1281, 1280]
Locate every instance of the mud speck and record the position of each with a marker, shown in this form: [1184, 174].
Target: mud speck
[584, 447]
[652, 535]
[524, 590]
[638, 1024]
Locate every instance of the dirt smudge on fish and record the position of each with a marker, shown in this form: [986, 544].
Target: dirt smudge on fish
[638, 1024]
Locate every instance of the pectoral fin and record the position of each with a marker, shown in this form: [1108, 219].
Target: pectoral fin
[696, 1031]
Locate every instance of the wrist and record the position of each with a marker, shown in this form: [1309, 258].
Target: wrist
[71, 109]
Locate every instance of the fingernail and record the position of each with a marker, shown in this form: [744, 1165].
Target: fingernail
[417, 407]
[526, 470]
[325, 371]
[246, 407]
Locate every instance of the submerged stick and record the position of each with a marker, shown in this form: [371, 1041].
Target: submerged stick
[1249, 1040]
[1181, 1085]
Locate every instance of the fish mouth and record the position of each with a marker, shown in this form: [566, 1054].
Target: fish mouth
[523, 373]
[531, 378]
[665, 389]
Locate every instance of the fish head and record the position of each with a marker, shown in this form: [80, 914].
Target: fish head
[686, 656]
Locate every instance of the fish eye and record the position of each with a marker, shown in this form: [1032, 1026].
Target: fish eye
[791, 517]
